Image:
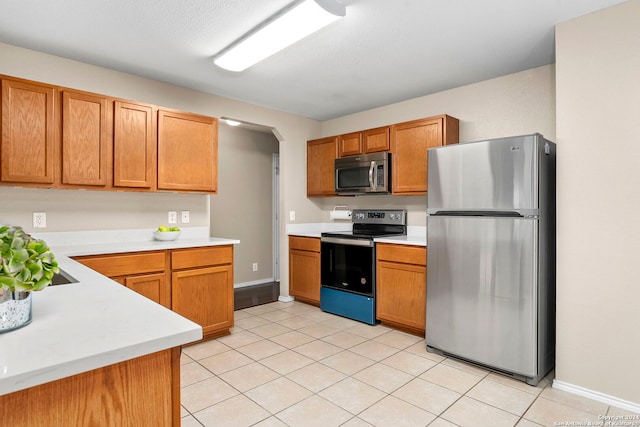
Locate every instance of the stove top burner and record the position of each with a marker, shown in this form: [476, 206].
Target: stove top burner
[368, 224]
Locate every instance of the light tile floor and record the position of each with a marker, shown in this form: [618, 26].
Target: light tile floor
[290, 364]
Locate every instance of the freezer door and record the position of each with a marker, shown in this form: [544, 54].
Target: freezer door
[482, 290]
[499, 174]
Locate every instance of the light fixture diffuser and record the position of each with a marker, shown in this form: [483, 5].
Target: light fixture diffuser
[286, 27]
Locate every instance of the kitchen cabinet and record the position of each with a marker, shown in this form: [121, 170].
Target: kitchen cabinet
[350, 144]
[321, 155]
[187, 152]
[56, 137]
[142, 272]
[367, 141]
[375, 140]
[401, 286]
[86, 139]
[409, 144]
[134, 146]
[304, 269]
[196, 283]
[202, 287]
[29, 143]
[136, 392]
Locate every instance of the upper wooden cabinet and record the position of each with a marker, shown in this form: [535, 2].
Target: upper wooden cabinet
[321, 155]
[56, 137]
[375, 140]
[29, 132]
[409, 144]
[187, 152]
[86, 139]
[367, 141]
[350, 144]
[134, 146]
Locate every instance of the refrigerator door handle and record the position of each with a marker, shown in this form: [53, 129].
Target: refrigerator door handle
[507, 214]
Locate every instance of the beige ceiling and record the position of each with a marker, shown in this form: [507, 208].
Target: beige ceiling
[382, 52]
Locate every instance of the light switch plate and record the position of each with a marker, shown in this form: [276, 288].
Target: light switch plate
[292, 215]
[185, 217]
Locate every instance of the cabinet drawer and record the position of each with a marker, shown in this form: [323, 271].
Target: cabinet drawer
[126, 264]
[201, 257]
[405, 254]
[304, 243]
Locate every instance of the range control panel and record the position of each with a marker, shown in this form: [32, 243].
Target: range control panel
[380, 216]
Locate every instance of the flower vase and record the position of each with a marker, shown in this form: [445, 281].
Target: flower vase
[15, 309]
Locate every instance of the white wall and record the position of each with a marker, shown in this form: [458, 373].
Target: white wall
[598, 136]
[515, 104]
[243, 207]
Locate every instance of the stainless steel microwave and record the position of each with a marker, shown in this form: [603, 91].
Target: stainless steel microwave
[364, 174]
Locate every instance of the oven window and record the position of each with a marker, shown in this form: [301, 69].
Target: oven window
[346, 267]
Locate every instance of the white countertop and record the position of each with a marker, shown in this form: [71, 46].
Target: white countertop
[416, 235]
[96, 322]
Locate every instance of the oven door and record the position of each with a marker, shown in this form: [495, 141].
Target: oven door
[348, 265]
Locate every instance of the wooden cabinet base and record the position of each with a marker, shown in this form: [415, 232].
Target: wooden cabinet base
[420, 332]
[140, 392]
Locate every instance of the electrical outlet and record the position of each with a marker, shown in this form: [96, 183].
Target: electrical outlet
[292, 215]
[172, 217]
[255, 266]
[185, 217]
[39, 220]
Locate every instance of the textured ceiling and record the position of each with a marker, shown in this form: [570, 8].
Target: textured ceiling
[382, 52]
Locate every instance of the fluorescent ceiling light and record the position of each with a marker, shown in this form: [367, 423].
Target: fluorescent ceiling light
[286, 27]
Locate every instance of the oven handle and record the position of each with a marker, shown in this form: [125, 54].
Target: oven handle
[349, 242]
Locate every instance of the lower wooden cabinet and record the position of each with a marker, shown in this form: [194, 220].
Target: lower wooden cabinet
[152, 286]
[304, 269]
[139, 392]
[401, 287]
[196, 283]
[143, 272]
[202, 287]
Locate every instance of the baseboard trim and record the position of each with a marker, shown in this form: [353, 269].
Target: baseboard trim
[252, 283]
[286, 298]
[597, 396]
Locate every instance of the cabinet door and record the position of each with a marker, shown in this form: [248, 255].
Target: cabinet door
[350, 144]
[321, 156]
[86, 137]
[152, 286]
[134, 146]
[304, 275]
[205, 296]
[401, 294]
[375, 140]
[187, 152]
[409, 144]
[29, 137]
[402, 286]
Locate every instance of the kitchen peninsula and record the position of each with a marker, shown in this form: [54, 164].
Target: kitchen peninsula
[96, 353]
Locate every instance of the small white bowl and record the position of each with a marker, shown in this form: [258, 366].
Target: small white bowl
[166, 235]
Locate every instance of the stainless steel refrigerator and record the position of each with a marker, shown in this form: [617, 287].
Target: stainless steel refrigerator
[491, 254]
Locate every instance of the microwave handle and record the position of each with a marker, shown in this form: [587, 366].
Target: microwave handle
[372, 183]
